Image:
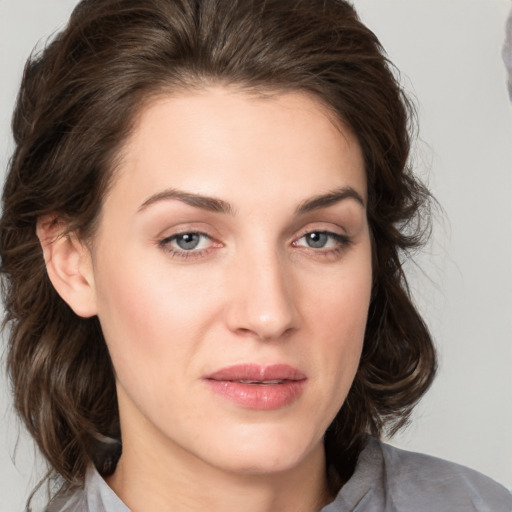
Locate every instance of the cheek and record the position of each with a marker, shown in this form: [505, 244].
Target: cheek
[338, 312]
[144, 313]
[130, 327]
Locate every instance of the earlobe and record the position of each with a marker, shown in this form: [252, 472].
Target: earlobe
[69, 265]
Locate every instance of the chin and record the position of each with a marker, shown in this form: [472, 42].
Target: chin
[265, 452]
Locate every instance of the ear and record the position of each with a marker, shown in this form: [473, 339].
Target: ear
[69, 265]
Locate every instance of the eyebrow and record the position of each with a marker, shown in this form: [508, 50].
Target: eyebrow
[216, 205]
[329, 199]
[211, 204]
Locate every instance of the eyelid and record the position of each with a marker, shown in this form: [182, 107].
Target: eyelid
[328, 227]
[179, 227]
[336, 244]
[183, 232]
[165, 243]
[333, 234]
[342, 242]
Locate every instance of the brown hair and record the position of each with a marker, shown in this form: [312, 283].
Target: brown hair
[76, 106]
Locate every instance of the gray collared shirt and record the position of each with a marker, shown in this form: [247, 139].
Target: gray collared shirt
[386, 479]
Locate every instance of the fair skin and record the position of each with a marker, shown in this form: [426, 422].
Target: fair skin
[234, 236]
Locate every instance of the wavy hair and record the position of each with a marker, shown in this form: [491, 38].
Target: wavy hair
[77, 105]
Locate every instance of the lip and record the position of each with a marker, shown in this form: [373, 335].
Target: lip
[254, 386]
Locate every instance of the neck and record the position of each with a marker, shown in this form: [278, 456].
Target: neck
[184, 483]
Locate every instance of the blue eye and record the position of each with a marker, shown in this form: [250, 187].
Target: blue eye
[316, 240]
[325, 243]
[322, 240]
[188, 241]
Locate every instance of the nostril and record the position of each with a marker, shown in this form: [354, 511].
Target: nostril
[265, 335]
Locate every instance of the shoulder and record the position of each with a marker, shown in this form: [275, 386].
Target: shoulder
[96, 496]
[69, 502]
[424, 482]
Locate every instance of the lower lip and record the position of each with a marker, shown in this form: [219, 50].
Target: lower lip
[263, 397]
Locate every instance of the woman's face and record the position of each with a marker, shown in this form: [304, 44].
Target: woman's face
[232, 276]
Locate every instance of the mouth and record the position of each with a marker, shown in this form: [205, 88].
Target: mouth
[258, 387]
[261, 382]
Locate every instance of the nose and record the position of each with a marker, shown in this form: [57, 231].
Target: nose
[263, 304]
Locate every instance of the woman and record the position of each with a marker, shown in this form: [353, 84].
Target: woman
[202, 235]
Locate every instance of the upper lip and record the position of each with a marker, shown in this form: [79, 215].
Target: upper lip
[257, 373]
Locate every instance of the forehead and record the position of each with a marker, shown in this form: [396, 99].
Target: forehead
[204, 140]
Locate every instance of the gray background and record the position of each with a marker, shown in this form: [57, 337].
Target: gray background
[449, 54]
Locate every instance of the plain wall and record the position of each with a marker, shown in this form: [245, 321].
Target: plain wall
[449, 54]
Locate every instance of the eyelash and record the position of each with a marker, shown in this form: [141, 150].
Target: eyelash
[342, 243]
[165, 244]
